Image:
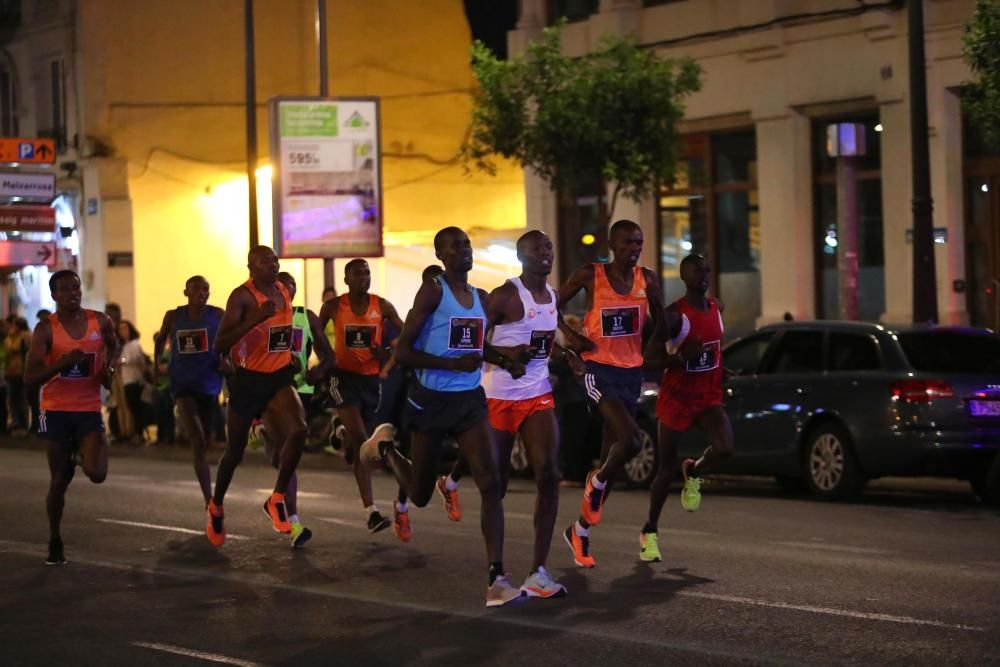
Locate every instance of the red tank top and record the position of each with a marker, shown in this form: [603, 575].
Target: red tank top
[355, 335]
[77, 388]
[267, 348]
[614, 322]
[702, 378]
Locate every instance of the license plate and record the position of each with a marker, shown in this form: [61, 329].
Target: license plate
[984, 408]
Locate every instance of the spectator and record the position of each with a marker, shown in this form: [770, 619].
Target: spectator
[164, 403]
[3, 384]
[133, 370]
[16, 344]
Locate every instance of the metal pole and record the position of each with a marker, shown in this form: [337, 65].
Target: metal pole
[251, 78]
[925, 307]
[324, 91]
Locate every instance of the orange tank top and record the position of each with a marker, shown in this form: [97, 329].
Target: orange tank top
[76, 389]
[267, 348]
[614, 322]
[355, 335]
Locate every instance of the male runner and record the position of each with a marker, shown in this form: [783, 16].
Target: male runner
[621, 298]
[195, 375]
[525, 313]
[689, 342]
[72, 354]
[256, 331]
[443, 339]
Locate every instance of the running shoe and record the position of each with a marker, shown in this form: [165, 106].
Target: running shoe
[401, 523]
[300, 535]
[450, 498]
[502, 592]
[593, 500]
[214, 528]
[369, 451]
[542, 585]
[56, 556]
[649, 548]
[580, 546]
[274, 508]
[691, 495]
[377, 522]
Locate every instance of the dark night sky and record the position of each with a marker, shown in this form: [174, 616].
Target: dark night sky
[490, 20]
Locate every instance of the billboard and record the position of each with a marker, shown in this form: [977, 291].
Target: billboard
[327, 177]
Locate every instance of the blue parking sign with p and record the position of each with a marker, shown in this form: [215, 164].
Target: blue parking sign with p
[26, 151]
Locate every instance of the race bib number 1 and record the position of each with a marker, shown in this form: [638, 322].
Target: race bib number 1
[82, 370]
[279, 339]
[542, 342]
[466, 333]
[708, 360]
[192, 341]
[619, 321]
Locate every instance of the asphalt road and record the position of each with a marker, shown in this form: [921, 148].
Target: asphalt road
[911, 575]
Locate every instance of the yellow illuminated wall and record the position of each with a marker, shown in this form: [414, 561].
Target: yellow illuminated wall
[169, 99]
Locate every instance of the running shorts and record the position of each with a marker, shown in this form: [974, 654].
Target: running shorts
[444, 413]
[509, 415]
[603, 381]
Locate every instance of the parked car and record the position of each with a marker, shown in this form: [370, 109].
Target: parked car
[829, 405]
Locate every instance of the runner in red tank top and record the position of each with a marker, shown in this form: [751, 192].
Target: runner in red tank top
[257, 333]
[689, 344]
[72, 354]
[622, 298]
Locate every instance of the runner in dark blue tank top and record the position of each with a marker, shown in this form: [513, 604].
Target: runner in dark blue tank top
[195, 375]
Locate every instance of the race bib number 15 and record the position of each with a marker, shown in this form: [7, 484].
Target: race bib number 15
[466, 333]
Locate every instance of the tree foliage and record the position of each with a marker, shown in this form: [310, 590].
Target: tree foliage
[982, 53]
[608, 116]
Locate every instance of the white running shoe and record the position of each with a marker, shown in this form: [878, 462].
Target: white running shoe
[502, 592]
[542, 585]
[369, 448]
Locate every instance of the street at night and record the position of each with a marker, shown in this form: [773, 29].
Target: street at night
[908, 575]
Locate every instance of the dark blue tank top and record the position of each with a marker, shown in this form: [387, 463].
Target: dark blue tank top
[194, 366]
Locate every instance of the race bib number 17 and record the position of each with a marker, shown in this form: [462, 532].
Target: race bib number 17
[619, 321]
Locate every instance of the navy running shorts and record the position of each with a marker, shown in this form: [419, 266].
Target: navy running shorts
[355, 390]
[602, 382]
[69, 427]
[251, 391]
[443, 413]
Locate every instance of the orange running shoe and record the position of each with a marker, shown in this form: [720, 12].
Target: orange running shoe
[274, 508]
[451, 505]
[401, 523]
[580, 546]
[214, 528]
[593, 501]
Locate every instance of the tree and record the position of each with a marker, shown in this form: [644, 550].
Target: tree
[608, 117]
[982, 54]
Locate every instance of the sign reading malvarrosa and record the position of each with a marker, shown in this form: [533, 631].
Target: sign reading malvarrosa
[40, 187]
[327, 179]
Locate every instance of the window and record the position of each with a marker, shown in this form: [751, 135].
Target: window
[711, 208]
[578, 217]
[871, 261]
[744, 357]
[798, 352]
[853, 352]
[8, 105]
[57, 71]
[952, 352]
[572, 10]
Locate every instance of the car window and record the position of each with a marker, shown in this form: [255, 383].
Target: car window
[853, 352]
[951, 351]
[797, 352]
[744, 356]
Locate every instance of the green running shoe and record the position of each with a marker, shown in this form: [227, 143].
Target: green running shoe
[300, 535]
[649, 549]
[691, 495]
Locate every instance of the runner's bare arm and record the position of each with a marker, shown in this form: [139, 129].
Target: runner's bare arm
[242, 314]
[654, 295]
[389, 313]
[36, 372]
[166, 330]
[323, 351]
[112, 349]
[582, 279]
[655, 356]
[328, 313]
[500, 306]
[427, 299]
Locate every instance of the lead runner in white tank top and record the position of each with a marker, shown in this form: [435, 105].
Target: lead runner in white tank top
[537, 328]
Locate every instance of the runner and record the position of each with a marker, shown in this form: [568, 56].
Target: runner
[689, 343]
[359, 319]
[257, 332]
[525, 313]
[622, 298]
[443, 339]
[72, 354]
[195, 374]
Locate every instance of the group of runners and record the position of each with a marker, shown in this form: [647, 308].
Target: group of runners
[480, 377]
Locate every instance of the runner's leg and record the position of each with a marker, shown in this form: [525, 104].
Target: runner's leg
[193, 426]
[715, 422]
[660, 488]
[540, 434]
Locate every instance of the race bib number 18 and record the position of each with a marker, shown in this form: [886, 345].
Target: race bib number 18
[279, 339]
[466, 333]
[708, 360]
[619, 321]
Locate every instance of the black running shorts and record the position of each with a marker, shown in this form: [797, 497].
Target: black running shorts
[69, 427]
[443, 413]
[250, 391]
[355, 390]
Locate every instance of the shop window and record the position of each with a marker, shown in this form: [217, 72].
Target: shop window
[572, 10]
[8, 105]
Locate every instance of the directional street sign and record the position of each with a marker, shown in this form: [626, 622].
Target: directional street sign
[31, 187]
[27, 253]
[28, 151]
[27, 219]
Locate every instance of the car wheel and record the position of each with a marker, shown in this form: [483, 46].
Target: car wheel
[829, 467]
[640, 470]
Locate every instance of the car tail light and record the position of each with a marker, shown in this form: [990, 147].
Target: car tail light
[920, 391]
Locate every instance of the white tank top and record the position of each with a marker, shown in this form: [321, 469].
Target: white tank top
[538, 329]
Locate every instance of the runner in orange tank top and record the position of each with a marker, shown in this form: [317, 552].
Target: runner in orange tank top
[256, 331]
[73, 353]
[622, 298]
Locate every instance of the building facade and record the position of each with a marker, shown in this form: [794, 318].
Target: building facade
[757, 191]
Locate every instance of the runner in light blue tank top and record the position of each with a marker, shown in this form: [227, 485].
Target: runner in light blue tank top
[452, 331]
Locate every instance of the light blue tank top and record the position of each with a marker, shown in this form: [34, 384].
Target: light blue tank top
[452, 331]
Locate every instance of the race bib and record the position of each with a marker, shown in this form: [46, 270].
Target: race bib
[708, 360]
[279, 339]
[82, 370]
[542, 342]
[192, 341]
[466, 333]
[619, 321]
[298, 335]
[359, 336]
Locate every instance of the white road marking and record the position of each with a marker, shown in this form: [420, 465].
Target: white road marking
[868, 616]
[342, 522]
[169, 529]
[300, 494]
[833, 547]
[189, 653]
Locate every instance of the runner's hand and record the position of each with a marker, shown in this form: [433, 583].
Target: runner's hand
[691, 349]
[73, 357]
[104, 376]
[515, 368]
[380, 353]
[265, 311]
[314, 375]
[575, 363]
[467, 363]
